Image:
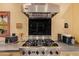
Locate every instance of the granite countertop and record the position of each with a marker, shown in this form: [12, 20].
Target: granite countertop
[9, 47]
[15, 47]
[71, 48]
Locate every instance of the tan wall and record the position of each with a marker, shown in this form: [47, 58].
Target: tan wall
[16, 16]
[76, 21]
[68, 13]
[58, 21]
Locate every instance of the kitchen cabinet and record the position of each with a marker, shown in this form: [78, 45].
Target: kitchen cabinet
[68, 53]
[15, 53]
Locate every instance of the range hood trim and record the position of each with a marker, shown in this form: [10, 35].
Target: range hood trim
[51, 14]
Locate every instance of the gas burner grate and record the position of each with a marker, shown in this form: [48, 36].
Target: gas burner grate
[40, 42]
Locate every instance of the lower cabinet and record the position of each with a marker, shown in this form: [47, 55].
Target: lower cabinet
[76, 53]
[10, 53]
[19, 54]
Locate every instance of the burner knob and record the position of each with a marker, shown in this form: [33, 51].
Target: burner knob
[57, 52]
[23, 52]
[51, 52]
[43, 52]
[29, 52]
[37, 52]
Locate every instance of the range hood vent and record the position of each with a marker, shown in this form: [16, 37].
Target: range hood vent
[40, 9]
[39, 15]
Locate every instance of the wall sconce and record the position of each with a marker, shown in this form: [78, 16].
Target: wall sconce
[66, 25]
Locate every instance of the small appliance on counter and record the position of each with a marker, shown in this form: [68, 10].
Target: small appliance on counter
[67, 39]
[11, 39]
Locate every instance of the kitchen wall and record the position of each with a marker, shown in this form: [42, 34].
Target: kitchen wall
[16, 16]
[65, 15]
[75, 8]
[68, 13]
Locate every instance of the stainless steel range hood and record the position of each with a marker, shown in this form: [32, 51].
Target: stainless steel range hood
[40, 9]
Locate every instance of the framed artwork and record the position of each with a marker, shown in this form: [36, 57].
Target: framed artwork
[19, 25]
[4, 23]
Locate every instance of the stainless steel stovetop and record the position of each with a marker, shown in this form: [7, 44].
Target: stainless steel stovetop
[40, 47]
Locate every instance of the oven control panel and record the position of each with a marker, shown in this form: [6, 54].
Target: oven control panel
[40, 51]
